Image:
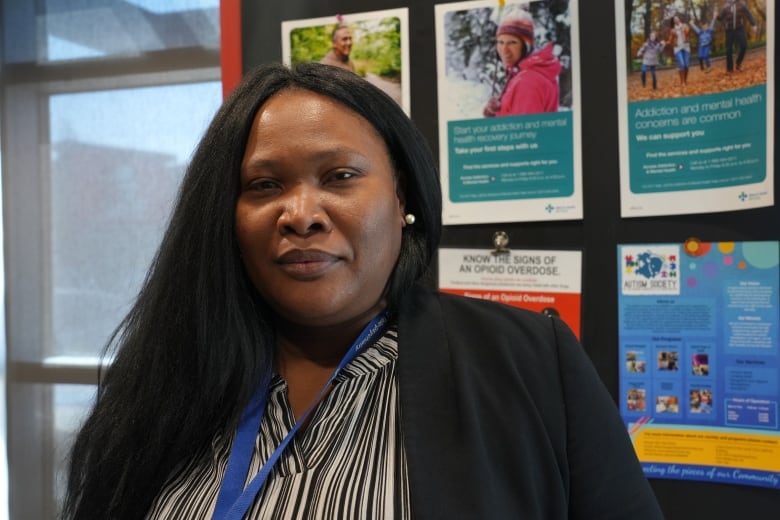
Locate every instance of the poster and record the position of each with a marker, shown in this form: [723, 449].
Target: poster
[374, 45]
[509, 111]
[542, 281]
[699, 359]
[696, 125]
[230, 45]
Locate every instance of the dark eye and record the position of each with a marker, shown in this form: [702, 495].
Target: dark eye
[263, 185]
[341, 175]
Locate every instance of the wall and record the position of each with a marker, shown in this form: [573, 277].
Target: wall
[597, 235]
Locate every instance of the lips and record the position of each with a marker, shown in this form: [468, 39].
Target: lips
[306, 264]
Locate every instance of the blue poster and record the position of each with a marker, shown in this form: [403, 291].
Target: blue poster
[699, 359]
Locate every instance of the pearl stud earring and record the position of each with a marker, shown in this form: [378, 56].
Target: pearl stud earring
[409, 218]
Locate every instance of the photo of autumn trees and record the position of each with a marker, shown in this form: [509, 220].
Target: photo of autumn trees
[644, 17]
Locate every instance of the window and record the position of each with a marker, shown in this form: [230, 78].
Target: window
[102, 105]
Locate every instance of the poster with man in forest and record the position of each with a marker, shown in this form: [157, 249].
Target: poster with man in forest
[696, 95]
[509, 111]
[374, 45]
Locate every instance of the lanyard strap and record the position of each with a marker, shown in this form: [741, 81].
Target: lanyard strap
[233, 500]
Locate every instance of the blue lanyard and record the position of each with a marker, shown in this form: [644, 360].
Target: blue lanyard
[233, 500]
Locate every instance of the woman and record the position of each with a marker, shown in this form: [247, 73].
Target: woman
[309, 212]
[531, 85]
[679, 40]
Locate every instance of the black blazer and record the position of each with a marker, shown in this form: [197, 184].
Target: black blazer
[504, 416]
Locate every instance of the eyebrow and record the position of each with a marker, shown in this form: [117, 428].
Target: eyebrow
[260, 162]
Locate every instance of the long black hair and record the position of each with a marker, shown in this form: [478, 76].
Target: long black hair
[198, 339]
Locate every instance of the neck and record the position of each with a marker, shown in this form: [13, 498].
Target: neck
[324, 348]
[323, 345]
[307, 356]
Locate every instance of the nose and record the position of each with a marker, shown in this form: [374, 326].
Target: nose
[302, 212]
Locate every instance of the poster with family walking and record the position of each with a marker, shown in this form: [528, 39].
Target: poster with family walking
[696, 105]
[509, 111]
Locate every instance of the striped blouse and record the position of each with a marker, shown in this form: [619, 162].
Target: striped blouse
[349, 463]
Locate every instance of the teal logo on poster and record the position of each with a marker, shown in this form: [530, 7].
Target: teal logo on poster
[513, 157]
[703, 142]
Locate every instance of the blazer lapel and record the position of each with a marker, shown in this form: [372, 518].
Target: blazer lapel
[438, 471]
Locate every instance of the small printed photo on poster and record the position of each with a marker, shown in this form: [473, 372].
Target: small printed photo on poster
[667, 404]
[510, 59]
[700, 364]
[636, 400]
[668, 360]
[700, 400]
[634, 364]
[373, 45]
[681, 48]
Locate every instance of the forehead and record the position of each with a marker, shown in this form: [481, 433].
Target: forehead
[342, 33]
[297, 105]
[508, 38]
[306, 120]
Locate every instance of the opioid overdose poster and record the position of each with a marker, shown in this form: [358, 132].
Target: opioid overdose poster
[699, 359]
[696, 106]
[509, 111]
[373, 45]
[541, 281]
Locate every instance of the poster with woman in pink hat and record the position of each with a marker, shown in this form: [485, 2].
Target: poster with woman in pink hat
[509, 124]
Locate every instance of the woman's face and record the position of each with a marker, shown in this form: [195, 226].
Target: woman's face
[510, 49]
[320, 213]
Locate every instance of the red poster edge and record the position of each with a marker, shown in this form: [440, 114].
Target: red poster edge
[230, 44]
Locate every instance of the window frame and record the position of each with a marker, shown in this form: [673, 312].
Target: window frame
[30, 377]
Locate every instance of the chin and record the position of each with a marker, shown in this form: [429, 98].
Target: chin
[314, 310]
[325, 313]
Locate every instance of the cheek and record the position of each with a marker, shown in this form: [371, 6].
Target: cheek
[243, 226]
[380, 236]
[252, 233]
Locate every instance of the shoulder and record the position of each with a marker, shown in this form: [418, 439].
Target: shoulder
[470, 340]
[496, 313]
[482, 331]
[328, 58]
[455, 307]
